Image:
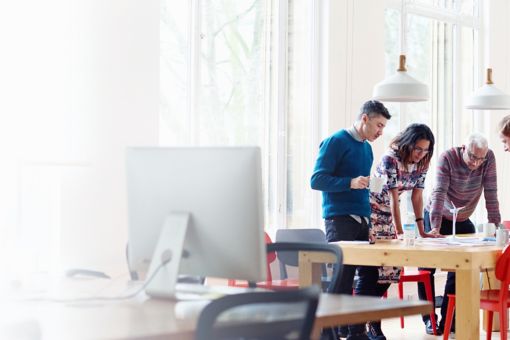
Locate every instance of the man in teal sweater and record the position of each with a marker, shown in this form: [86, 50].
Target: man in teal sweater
[342, 174]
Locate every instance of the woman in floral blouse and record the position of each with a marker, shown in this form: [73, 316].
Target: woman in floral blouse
[405, 165]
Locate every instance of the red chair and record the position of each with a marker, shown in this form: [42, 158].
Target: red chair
[416, 276]
[506, 224]
[288, 259]
[491, 300]
[287, 284]
[422, 276]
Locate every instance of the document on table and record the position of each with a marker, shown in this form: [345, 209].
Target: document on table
[458, 241]
[353, 242]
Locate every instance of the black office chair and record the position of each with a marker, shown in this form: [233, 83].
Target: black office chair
[307, 235]
[260, 316]
[287, 254]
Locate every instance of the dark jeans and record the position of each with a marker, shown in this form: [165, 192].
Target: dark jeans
[464, 227]
[346, 228]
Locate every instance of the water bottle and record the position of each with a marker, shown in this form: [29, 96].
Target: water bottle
[409, 230]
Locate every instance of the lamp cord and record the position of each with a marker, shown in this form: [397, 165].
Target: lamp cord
[403, 16]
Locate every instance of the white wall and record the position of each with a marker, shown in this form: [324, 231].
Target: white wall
[116, 94]
[79, 81]
[356, 59]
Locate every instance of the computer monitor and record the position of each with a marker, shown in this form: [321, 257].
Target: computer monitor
[210, 201]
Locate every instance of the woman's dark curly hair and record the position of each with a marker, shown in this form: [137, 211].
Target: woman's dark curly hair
[403, 144]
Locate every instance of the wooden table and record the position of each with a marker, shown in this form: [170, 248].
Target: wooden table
[467, 262]
[144, 318]
[337, 310]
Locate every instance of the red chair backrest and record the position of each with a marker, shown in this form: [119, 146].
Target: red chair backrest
[271, 257]
[502, 264]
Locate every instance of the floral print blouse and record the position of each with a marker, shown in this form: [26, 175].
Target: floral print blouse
[403, 179]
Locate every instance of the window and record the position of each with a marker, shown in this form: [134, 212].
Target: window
[241, 72]
[212, 72]
[442, 44]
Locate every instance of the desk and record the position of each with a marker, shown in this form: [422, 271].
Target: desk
[467, 262]
[144, 318]
[335, 310]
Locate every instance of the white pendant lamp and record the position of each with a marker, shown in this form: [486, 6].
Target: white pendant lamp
[401, 87]
[488, 97]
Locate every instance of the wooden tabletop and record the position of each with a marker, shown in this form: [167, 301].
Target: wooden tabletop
[467, 262]
[144, 318]
[345, 309]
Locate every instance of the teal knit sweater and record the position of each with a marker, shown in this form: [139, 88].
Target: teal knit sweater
[340, 159]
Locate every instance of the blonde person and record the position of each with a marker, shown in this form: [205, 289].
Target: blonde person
[405, 166]
[504, 132]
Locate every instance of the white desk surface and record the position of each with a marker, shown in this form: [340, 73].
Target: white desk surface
[145, 318]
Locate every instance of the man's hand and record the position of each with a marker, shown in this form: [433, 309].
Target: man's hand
[360, 182]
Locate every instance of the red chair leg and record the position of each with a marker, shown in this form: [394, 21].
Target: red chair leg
[503, 321]
[449, 316]
[401, 297]
[490, 315]
[428, 292]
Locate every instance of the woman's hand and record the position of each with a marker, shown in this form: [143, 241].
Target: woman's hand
[371, 236]
[434, 233]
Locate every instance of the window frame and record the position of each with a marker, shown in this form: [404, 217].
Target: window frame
[458, 21]
[276, 106]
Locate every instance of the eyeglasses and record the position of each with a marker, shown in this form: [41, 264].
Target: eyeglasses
[420, 150]
[475, 159]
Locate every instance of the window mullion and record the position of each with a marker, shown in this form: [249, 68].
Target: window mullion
[315, 90]
[194, 73]
[282, 108]
[457, 100]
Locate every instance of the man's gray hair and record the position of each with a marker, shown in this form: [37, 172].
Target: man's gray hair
[478, 140]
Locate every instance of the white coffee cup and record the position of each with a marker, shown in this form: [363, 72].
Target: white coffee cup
[489, 229]
[501, 237]
[377, 183]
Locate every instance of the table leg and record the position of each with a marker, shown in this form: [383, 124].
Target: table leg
[467, 304]
[309, 272]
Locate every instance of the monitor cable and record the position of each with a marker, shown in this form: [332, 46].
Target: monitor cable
[165, 258]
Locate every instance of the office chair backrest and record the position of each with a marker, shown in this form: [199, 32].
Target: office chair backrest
[312, 235]
[296, 235]
[295, 247]
[260, 316]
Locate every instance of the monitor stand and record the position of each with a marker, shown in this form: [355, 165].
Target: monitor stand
[169, 249]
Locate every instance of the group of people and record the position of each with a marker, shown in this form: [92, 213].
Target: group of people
[353, 213]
